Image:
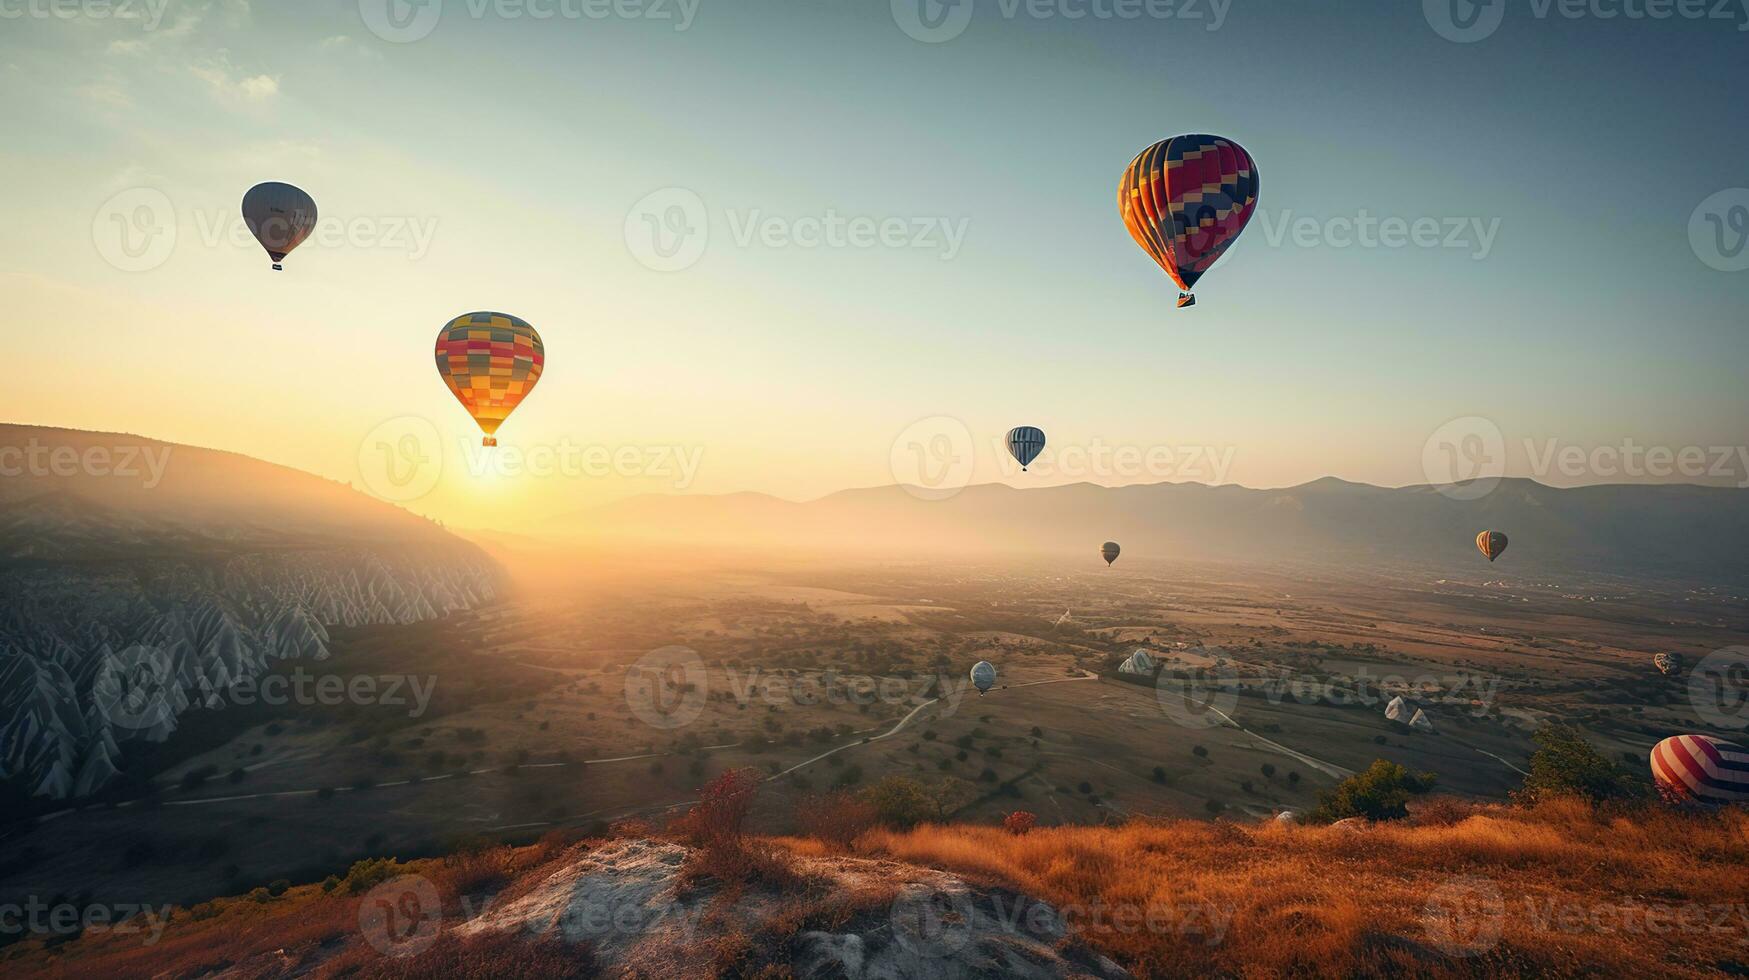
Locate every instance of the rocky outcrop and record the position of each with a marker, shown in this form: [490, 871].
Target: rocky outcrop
[93, 656]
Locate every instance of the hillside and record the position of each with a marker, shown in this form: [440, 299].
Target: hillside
[1677, 533]
[1458, 890]
[144, 579]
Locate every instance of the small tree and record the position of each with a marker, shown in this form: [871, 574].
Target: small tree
[1565, 764]
[1380, 793]
[1019, 822]
[836, 818]
[900, 802]
[715, 820]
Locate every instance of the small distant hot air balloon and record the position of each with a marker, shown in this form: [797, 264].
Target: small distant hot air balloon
[1491, 543]
[280, 216]
[1702, 769]
[983, 676]
[491, 362]
[1109, 552]
[1025, 443]
[1185, 200]
[1667, 663]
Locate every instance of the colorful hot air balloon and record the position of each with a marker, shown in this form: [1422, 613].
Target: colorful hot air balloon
[280, 216]
[1702, 769]
[1185, 200]
[1667, 663]
[1025, 443]
[491, 362]
[983, 676]
[1491, 543]
[1109, 552]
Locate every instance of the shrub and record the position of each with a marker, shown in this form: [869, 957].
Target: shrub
[715, 820]
[900, 802]
[1268, 770]
[1380, 793]
[277, 887]
[836, 818]
[369, 873]
[1200, 752]
[1159, 774]
[1019, 822]
[1565, 764]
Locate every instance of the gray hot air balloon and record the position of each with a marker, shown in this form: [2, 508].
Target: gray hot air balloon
[983, 676]
[1025, 442]
[280, 216]
[1109, 551]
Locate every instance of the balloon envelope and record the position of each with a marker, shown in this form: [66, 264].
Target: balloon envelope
[1025, 442]
[1185, 200]
[1491, 543]
[490, 361]
[983, 675]
[1109, 551]
[280, 217]
[1702, 768]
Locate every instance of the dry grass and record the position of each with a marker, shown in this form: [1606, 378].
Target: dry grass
[1201, 898]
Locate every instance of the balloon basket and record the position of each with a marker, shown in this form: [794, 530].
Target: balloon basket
[1186, 299]
[278, 268]
[488, 441]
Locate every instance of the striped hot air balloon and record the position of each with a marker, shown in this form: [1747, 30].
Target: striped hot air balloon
[1491, 543]
[1185, 200]
[1109, 551]
[1702, 769]
[491, 362]
[1025, 443]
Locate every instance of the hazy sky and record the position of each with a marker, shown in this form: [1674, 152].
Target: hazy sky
[474, 155]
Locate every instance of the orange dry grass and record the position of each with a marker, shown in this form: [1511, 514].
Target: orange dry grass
[1479, 891]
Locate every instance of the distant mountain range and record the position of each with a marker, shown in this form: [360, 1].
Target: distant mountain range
[141, 579]
[1687, 534]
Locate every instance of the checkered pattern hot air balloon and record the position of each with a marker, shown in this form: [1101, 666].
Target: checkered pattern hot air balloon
[1702, 769]
[491, 362]
[1185, 200]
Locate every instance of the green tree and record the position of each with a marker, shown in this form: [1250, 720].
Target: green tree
[1565, 764]
[1380, 793]
[900, 802]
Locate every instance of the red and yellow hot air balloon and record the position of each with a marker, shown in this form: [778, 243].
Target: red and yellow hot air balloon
[1185, 200]
[491, 362]
[1491, 543]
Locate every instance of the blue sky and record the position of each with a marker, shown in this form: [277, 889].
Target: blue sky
[1561, 157]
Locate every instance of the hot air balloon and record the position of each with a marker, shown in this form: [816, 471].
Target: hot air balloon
[1491, 543]
[1185, 200]
[983, 676]
[280, 216]
[491, 362]
[1668, 663]
[1109, 552]
[1025, 443]
[1702, 769]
